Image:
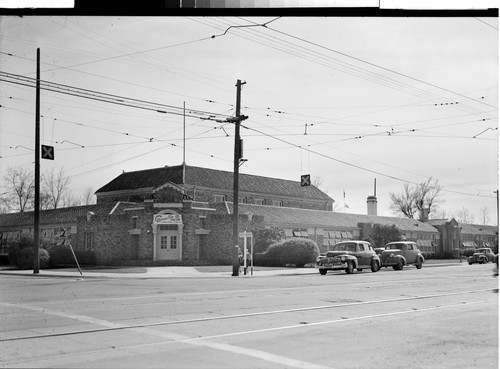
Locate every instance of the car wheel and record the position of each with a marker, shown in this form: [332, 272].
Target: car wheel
[470, 263]
[399, 265]
[350, 267]
[322, 271]
[418, 264]
[375, 266]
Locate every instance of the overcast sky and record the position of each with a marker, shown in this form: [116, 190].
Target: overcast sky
[344, 99]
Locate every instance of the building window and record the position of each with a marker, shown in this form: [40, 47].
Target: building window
[203, 222]
[259, 201]
[173, 242]
[243, 200]
[88, 242]
[168, 227]
[300, 232]
[219, 198]
[163, 242]
[277, 203]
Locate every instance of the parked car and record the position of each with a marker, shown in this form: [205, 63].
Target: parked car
[349, 256]
[481, 256]
[401, 253]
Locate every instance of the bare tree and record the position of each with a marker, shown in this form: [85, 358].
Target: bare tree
[428, 195]
[463, 215]
[55, 186]
[404, 203]
[413, 199]
[19, 189]
[88, 197]
[485, 212]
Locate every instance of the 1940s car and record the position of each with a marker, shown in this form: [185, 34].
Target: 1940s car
[401, 253]
[349, 256]
[481, 256]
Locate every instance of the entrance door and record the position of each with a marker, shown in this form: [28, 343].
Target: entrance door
[168, 242]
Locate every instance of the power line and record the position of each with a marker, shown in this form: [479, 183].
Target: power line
[109, 98]
[353, 165]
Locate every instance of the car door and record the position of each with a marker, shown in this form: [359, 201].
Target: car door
[363, 255]
[410, 253]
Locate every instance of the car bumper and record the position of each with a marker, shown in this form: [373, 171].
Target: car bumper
[332, 266]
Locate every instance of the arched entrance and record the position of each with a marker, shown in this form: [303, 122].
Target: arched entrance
[167, 230]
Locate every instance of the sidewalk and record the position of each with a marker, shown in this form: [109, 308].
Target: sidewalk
[222, 271]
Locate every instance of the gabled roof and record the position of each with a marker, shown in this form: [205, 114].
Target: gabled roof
[211, 178]
[281, 216]
[478, 229]
[54, 216]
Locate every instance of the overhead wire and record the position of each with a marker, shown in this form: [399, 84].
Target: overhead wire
[374, 77]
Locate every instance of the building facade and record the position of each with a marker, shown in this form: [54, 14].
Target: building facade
[182, 215]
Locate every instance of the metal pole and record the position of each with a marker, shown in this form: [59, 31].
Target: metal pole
[36, 218]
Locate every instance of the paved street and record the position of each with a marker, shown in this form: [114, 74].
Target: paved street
[436, 317]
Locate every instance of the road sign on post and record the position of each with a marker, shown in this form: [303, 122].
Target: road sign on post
[48, 152]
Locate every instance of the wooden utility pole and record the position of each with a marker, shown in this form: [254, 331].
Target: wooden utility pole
[237, 157]
[36, 218]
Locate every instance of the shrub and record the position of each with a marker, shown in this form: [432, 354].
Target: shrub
[468, 252]
[62, 255]
[296, 251]
[266, 237]
[25, 258]
[21, 253]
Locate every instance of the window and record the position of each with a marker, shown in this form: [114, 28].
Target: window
[134, 222]
[173, 242]
[88, 241]
[277, 203]
[259, 201]
[203, 222]
[243, 200]
[219, 198]
[163, 242]
[168, 227]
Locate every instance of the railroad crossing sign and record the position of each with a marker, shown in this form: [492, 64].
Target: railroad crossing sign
[48, 152]
[305, 180]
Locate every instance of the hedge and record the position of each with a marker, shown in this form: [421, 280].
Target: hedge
[292, 251]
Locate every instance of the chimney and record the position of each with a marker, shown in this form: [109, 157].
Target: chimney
[424, 215]
[371, 203]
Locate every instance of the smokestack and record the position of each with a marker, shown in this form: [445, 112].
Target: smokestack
[371, 201]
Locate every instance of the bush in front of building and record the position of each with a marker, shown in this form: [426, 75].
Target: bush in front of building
[468, 252]
[292, 251]
[61, 255]
[21, 254]
[266, 237]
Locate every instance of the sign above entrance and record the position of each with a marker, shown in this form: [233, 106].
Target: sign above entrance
[167, 219]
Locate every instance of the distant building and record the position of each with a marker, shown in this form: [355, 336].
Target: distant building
[456, 236]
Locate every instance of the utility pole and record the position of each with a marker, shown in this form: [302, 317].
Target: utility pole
[237, 157]
[36, 217]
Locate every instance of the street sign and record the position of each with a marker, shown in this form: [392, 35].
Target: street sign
[305, 180]
[48, 152]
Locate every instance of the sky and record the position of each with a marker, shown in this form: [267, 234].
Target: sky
[348, 100]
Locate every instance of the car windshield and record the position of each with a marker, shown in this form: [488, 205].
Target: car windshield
[344, 247]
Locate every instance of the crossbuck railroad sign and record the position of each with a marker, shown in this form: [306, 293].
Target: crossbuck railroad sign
[48, 152]
[305, 180]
